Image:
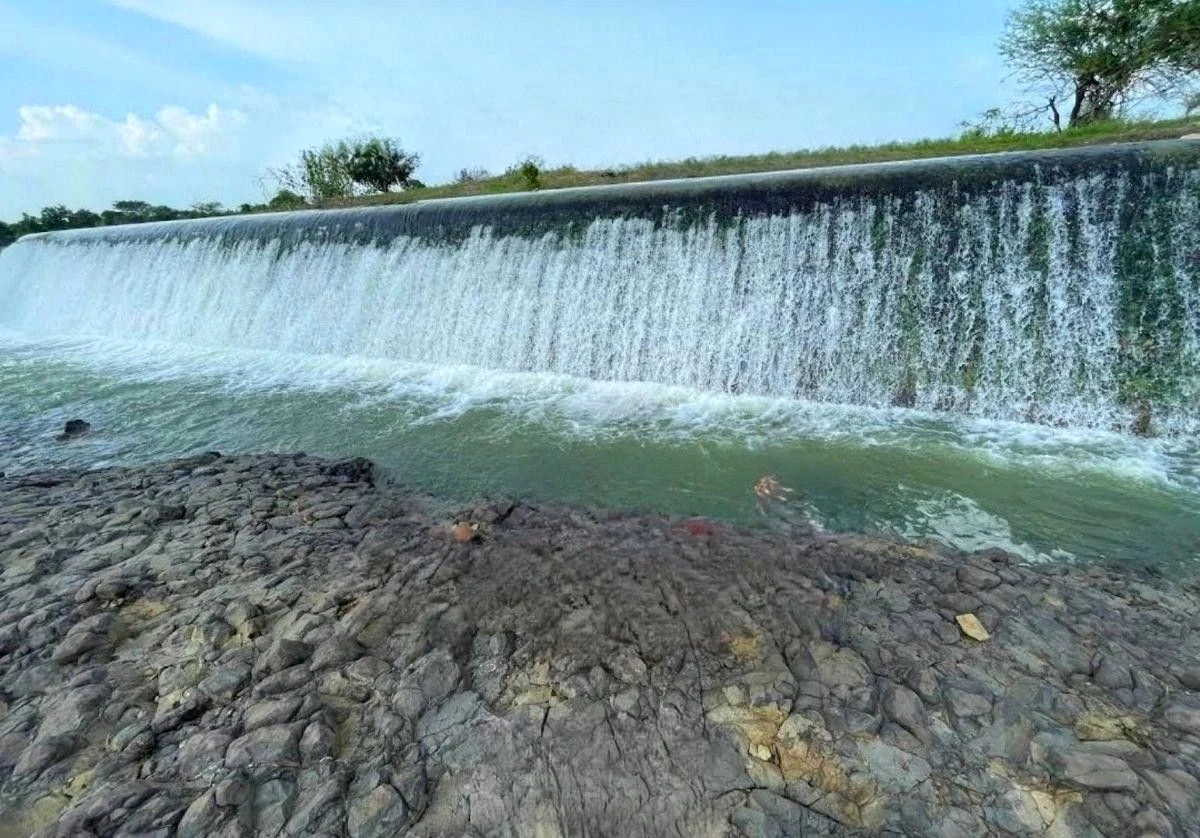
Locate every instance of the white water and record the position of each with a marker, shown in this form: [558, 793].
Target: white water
[855, 304]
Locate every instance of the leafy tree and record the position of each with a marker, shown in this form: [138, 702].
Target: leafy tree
[529, 168]
[1102, 55]
[381, 164]
[285, 199]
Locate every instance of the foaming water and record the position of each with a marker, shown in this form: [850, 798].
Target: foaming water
[461, 431]
[1045, 302]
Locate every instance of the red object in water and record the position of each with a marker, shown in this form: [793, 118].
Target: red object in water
[698, 527]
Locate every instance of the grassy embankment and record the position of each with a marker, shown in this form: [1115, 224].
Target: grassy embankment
[567, 176]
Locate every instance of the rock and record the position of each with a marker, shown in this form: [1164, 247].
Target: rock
[74, 429]
[1098, 772]
[1189, 677]
[274, 745]
[76, 645]
[272, 712]
[976, 578]
[225, 682]
[972, 628]
[902, 706]
[274, 801]
[200, 818]
[626, 665]
[203, 752]
[380, 813]
[40, 755]
[965, 704]
[283, 654]
[1184, 714]
[317, 742]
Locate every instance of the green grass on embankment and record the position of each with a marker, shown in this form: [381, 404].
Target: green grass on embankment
[568, 176]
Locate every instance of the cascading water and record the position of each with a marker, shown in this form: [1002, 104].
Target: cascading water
[1059, 289]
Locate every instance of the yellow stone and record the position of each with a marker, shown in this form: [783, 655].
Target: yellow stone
[972, 628]
[762, 752]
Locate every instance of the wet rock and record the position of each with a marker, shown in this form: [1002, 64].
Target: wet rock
[73, 429]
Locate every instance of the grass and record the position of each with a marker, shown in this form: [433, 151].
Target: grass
[568, 176]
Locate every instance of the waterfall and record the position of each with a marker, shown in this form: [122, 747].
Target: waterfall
[1062, 290]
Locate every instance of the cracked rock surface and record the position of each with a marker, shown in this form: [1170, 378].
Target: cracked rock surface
[277, 646]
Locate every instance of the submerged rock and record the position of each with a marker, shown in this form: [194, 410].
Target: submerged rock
[298, 651]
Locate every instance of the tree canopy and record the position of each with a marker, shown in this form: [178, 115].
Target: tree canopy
[1099, 56]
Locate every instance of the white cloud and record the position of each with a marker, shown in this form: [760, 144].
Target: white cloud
[68, 132]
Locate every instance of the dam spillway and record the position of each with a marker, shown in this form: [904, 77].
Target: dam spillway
[1055, 289]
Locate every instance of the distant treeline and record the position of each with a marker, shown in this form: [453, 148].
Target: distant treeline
[129, 212]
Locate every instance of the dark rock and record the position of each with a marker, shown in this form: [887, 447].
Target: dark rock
[317, 742]
[203, 752]
[74, 429]
[901, 705]
[283, 654]
[274, 745]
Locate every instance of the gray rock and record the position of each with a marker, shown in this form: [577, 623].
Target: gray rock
[976, 578]
[203, 752]
[200, 818]
[317, 742]
[380, 813]
[1189, 677]
[274, 801]
[226, 682]
[966, 704]
[273, 745]
[282, 654]
[76, 645]
[904, 707]
[41, 754]
[273, 712]
[1184, 713]
[1098, 772]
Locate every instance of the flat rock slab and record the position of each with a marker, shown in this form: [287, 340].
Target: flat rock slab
[293, 650]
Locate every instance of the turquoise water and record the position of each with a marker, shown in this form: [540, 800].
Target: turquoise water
[463, 432]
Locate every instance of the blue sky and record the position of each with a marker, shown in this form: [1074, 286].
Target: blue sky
[180, 101]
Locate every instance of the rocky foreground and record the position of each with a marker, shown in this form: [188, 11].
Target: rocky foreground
[275, 646]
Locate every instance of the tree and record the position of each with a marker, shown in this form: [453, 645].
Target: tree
[7, 235]
[285, 199]
[1103, 55]
[380, 163]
